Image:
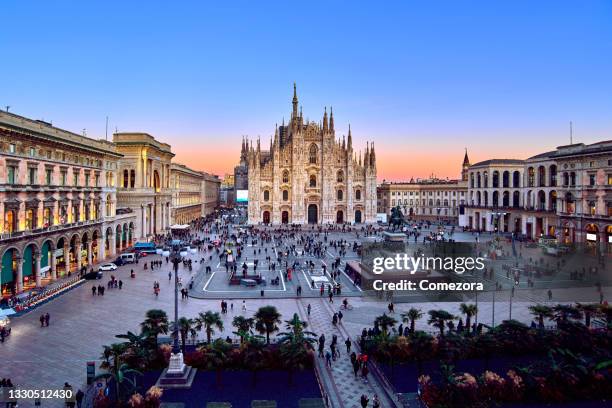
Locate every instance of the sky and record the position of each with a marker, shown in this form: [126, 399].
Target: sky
[423, 80]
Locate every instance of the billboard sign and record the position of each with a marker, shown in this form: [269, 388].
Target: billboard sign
[242, 196]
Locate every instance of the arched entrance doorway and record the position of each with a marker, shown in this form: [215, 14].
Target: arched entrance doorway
[29, 266]
[358, 216]
[339, 217]
[266, 217]
[313, 216]
[9, 271]
[285, 217]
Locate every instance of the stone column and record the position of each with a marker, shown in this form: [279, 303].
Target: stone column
[89, 253]
[79, 246]
[53, 266]
[19, 283]
[113, 243]
[37, 257]
[101, 244]
[143, 225]
[67, 257]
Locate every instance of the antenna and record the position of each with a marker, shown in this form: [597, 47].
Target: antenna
[571, 132]
[106, 134]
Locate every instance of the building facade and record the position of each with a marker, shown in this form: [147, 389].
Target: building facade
[58, 203]
[144, 184]
[211, 186]
[430, 199]
[564, 194]
[308, 176]
[187, 194]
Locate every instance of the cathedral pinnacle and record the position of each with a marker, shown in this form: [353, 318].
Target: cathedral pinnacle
[325, 126]
[350, 138]
[331, 119]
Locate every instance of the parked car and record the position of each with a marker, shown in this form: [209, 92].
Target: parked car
[108, 267]
[93, 275]
[128, 258]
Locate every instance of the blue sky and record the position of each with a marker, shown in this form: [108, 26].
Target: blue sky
[421, 79]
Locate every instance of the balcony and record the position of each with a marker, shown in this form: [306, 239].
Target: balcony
[34, 233]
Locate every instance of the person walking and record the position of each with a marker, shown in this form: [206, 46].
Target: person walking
[364, 401]
[47, 319]
[308, 309]
[375, 401]
[93, 290]
[120, 284]
[328, 357]
[364, 372]
[347, 343]
[42, 320]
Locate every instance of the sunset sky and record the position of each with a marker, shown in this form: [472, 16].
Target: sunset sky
[424, 81]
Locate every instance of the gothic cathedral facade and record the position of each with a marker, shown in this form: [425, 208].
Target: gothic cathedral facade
[309, 177]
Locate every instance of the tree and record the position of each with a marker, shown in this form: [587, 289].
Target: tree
[439, 318]
[588, 309]
[541, 312]
[243, 326]
[266, 320]
[208, 320]
[254, 354]
[217, 356]
[137, 349]
[155, 323]
[561, 313]
[385, 323]
[411, 316]
[186, 327]
[296, 344]
[468, 310]
[117, 370]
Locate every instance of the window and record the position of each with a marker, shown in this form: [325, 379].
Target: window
[125, 178]
[63, 178]
[313, 181]
[75, 179]
[340, 195]
[285, 176]
[32, 176]
[340, 176]
[592, 207]
[591, 179]
[87, 180]
[11, 176]
[609, 179]
[530, 177]
[266, 195]
[32, 152]
[47, 219]
[358, 195]
[313, 153]
[97, 180]
[10, 222]
[285, 195]
[12, 148]
[29, 221]
[48, 176]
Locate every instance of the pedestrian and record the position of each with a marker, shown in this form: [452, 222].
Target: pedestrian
[356, 366]
[120, 284]
[328, 357]
[340, 315]
[79, 398]
[243, 306]
[364, 401]
[42, 320]
[169, 275]
[347, 343]
[47, 319]
[375, 401]
[93, 290]
[308, 309]
[364, 372]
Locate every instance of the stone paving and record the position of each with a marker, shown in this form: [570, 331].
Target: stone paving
[35, 357]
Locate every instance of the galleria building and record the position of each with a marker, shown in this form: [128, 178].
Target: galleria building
[308, 176]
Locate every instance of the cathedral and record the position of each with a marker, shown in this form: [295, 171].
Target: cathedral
[309, 176]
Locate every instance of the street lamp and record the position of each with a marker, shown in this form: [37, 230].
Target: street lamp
[177, 375]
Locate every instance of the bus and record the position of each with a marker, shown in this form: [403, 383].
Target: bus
[145, 247]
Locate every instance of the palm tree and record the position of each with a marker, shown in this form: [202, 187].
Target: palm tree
[296, 344]
[589, 309]
[117, 370]
[468, 311]
[385, 322]
[243, 326]
[439, 318]
[217, 356]
[411, 316]
[254, 354]
[208, 320]
[266, 320]
[186, 327]
[561, 313]
[541, 312]
[155, 323]
[137, 348]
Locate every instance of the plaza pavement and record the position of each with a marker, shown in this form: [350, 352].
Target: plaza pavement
[80, 324]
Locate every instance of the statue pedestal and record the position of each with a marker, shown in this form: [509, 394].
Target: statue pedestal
[177, 375]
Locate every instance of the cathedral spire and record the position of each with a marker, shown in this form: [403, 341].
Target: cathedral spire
[350, 138]
[366, 156]
[295, 101]
[343, 143]
[372, 156]
[331, 119]
[325, 126]
[466, 160]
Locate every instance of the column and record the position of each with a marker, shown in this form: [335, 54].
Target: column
[19, 283]
[67, 257]
[89, 253]
[37, 257]
[101, 244]
[113, 243]
[168, 218]
[143, 225]
[53, 266]
[79, 247]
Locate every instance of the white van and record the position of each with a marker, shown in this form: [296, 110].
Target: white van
[128, 258]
